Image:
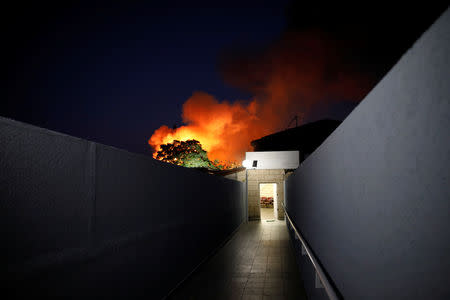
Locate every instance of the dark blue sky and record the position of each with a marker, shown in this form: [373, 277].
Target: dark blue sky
[113, 73]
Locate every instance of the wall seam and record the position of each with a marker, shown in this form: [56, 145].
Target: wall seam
[92, 161]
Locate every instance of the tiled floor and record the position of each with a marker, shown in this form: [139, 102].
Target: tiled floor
[267, 214]
[257, 263]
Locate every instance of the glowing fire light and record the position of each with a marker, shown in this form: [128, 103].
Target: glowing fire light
[223, 129]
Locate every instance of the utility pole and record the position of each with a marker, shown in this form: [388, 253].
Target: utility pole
[296, 121]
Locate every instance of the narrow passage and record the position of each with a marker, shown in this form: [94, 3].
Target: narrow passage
[257, 263]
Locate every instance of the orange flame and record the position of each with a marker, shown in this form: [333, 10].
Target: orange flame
[224, 129]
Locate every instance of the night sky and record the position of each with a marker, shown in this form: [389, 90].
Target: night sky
[113, 73]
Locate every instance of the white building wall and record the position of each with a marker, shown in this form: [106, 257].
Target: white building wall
[273, 160]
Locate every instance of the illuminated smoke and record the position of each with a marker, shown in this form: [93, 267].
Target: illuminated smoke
[289, 77]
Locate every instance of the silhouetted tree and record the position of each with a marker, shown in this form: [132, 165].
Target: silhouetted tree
[187, 154]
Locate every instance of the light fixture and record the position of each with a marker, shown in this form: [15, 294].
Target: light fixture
[247, 163]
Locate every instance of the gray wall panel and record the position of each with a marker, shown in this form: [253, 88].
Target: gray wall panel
[373, 201]
[81, 219]
[44, 196]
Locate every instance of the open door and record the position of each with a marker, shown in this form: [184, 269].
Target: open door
[268, 200]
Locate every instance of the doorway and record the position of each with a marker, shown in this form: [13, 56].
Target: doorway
[268, 200]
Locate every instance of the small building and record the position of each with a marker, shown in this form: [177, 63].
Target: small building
[265, 175]
[275, 157]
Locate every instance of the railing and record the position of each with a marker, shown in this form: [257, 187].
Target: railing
[329, 289]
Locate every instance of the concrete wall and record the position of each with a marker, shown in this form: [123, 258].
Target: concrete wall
[373, 200]
[79, 219]
[239, 176]
[255, 177]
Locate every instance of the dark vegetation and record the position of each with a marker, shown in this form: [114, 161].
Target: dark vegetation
[188, 154]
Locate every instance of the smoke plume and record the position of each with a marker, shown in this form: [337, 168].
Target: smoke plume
[292, 76]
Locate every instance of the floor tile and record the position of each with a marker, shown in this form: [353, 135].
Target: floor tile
[256, 263]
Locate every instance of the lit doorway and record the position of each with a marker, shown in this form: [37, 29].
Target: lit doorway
[268, 200]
